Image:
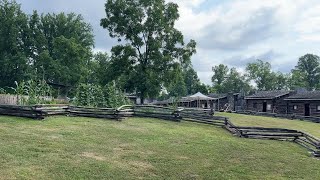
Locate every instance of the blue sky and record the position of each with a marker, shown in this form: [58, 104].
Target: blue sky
[233, 32]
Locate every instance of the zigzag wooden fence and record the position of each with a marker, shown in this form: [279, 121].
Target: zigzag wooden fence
[302, 138]
[52, 109]
[22, 111]
[194, 115]
[159, 112]
[285, 116]
[205, 116]
[107, 113]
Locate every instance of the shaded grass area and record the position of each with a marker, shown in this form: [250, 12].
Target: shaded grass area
[248, 120]
[140, 148]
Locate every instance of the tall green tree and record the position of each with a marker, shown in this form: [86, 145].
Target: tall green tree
[219, 75]
[192, 81]
[282, 81]
[99, 70]
[152, 46]
[36, 42]
[295, 80]
[13, 52]
[307, 72]
[227, 80]
[235, 82]
[260, 72]
[178, 87]
[67, 48]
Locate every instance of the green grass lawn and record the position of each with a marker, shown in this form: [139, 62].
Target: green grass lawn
[85, 148]
[246, 120]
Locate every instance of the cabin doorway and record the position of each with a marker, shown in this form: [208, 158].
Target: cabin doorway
[307, 109]
[264, 108]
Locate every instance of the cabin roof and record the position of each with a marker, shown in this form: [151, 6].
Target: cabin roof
[268, 94]
[306, 95]
[217, 96]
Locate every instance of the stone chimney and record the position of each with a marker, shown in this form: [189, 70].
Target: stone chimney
[231, 101]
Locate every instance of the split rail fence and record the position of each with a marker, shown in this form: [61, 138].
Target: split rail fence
[286, 116]
[204, 116]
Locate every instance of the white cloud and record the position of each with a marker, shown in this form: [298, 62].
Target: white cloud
[188, 3]
[249, 28]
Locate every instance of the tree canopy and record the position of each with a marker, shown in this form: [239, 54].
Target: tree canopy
[227, 80]
[52, 47]
[150, 45]
[13, 36]
[307, 72]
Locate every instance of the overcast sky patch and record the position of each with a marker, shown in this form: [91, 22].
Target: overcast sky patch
[233, 32]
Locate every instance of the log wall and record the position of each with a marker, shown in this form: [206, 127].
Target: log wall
[301, 108]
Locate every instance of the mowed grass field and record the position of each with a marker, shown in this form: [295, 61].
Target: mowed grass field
[246, 120]
[137, 148]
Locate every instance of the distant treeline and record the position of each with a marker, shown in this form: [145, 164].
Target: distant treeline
[259, 75]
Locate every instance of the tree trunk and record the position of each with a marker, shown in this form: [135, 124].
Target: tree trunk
[142, 98]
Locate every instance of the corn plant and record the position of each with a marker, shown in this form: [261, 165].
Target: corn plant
[91, 95]
[32, 92]
[2, 91]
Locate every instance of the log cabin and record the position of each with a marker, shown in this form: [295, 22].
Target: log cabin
[304, 103]
[220, 101]
[226, 102]
[268, 101]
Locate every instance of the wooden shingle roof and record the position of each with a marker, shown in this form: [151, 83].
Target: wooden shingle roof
[268, 94]
[218, 96]
[306, 95]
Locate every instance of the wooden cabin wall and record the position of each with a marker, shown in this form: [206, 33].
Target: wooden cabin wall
[259, 107]
[301, 107]
[278, 105]
[219, 104]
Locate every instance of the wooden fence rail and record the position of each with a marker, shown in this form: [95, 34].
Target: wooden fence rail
[286, 116]
[53, 109]
[156, 112]
[22, 111]
[205, 116]
[309, 142]
[194, 115]
[106, 113]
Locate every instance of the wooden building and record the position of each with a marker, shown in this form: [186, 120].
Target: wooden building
[268, 101]
[220, 101]
[305, 103]
[226, 102]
